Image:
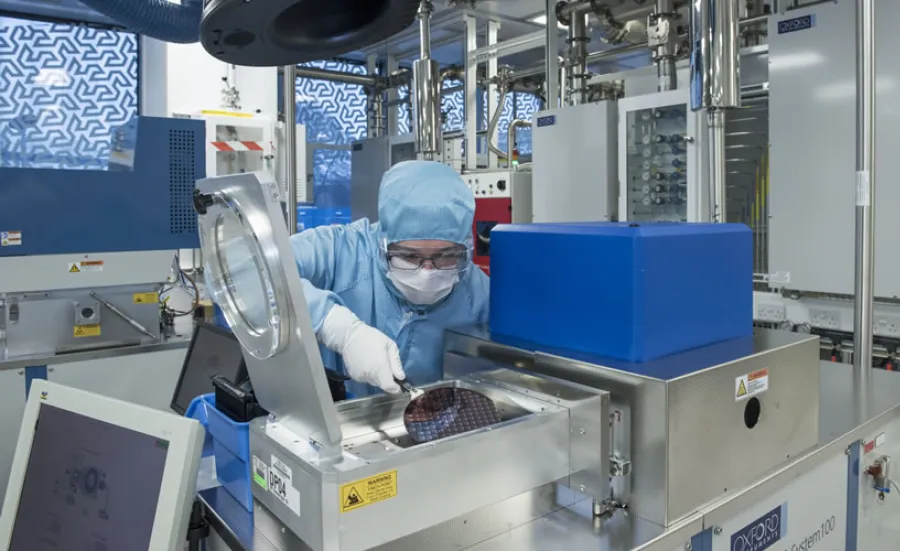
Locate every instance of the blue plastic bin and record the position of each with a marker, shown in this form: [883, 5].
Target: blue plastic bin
[632, 292]
[198, 409]
[231, 447]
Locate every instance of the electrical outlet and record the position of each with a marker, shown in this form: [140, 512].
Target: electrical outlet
[887, 326]
[826, 319]
[770, 312]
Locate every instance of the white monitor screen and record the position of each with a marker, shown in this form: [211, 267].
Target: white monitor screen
[88, 485]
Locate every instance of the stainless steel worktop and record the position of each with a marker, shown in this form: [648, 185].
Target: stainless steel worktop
[567, 522]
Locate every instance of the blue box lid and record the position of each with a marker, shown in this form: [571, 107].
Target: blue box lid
[623, 229]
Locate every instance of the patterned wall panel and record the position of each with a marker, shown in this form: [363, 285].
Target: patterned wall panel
[333, 113]
[62, 88]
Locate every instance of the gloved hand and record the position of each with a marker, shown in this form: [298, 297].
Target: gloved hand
[370, 356]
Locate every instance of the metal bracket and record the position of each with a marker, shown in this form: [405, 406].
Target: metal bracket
[619, 466]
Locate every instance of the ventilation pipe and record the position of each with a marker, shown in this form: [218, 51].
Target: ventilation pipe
[715, 86]
[158, 19]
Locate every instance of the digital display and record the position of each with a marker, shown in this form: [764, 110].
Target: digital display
[88, 485]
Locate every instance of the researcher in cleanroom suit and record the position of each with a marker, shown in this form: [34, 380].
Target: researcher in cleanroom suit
[380, 295]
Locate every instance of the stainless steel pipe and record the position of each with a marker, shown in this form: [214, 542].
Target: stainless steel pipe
[492, 126]
[335, 76]
[425, 10]
[715, 62]
[511, 137]
[718, 207]
[289, 151]
[577, 66]
[426, 92]
[864, 277]
[663, 44]
[426, 108]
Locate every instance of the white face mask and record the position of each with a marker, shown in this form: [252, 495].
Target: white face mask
[424, 287]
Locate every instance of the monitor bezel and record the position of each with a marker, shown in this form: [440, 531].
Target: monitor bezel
[179, 480]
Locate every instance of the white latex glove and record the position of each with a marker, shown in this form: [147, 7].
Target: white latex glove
[370, 356]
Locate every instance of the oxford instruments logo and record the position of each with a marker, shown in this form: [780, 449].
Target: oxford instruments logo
[762, 533]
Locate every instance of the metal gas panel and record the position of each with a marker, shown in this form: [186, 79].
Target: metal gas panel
[56, 322]
[574, 163]
[740, 420]
[812, 132]
[808, 513]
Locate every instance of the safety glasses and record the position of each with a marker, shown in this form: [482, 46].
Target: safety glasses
[454, 257]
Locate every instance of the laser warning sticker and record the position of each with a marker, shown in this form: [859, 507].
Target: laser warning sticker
[751, 384]
[369, 491]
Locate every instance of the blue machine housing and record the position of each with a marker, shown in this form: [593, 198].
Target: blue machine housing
[632, 292]
[143, 202]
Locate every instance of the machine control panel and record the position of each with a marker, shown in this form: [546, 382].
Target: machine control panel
[489, 184]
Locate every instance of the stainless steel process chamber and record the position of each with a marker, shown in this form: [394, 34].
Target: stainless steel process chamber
[689, 428]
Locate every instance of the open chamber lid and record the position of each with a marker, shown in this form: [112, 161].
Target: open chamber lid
[252, 275]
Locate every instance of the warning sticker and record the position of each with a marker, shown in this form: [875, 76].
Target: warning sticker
[751, 384]
[85, 266]
[86, 331]
[10, 238]
[146, 298]
[260, 473]
[371, 490]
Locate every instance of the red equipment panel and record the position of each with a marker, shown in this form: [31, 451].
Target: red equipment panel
[488, 213]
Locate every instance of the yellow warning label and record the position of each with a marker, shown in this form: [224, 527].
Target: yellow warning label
[86, 331]
[146, 298]
[742, 389]
[73, 268]
[226, 113]
[368, 491]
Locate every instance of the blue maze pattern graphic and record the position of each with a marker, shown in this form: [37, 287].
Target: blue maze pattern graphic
[62, 89]
[333, 113]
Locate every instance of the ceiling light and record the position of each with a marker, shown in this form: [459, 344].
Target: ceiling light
[542, 20]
